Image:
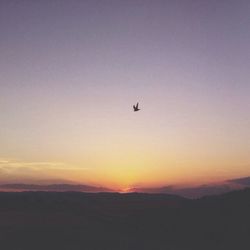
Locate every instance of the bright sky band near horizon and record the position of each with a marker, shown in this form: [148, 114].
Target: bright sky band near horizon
[70, 72]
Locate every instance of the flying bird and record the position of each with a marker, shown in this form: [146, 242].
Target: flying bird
[136, 107]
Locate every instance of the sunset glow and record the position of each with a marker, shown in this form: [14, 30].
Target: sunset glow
[71, 72]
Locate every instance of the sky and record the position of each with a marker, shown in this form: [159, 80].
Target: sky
[70, 72]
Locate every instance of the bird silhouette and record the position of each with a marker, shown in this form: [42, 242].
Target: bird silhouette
[136, 107]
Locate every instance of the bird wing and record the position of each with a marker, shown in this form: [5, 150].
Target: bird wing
[137, 105]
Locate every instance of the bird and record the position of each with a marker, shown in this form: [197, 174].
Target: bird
[136, 107]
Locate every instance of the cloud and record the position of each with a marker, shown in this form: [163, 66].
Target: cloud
[15, 170]
[4, 161]
[15, 164]
[54, 187]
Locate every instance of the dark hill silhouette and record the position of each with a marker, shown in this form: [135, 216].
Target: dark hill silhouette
[94, 221]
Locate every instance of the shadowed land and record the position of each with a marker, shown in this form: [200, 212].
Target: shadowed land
[72, 220]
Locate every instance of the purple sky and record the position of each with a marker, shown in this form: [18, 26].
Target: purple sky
[70, 72]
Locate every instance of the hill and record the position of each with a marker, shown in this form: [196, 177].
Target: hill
[96, 221]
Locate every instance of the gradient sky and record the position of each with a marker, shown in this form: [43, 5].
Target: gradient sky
[70, 72]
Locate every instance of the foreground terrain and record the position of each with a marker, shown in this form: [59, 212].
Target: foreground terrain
[107, 221]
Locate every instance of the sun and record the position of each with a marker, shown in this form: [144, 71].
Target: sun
[126, 190]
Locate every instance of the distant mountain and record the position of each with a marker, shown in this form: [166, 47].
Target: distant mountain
[160, 190]
[192, 192]
[204, 190]
[199, 191]
[187, 192]
[242, 181]
[53, 187]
